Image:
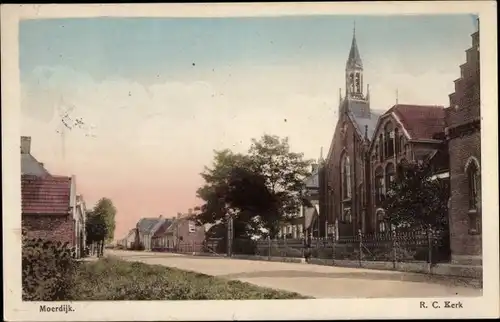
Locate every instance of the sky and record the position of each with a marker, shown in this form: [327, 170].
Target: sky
[158, 95]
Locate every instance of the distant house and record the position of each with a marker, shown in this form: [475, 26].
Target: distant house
[52, 211]
[181, 233]
[148, 228]
[51, 207]
[305, 221]
[129, 240]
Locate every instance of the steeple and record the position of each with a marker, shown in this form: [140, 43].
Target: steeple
[354, 60]
[354, 71]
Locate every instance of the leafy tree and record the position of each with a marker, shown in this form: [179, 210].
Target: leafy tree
[284, 173]
[416, 200]
[107, 211]
[100, 225]
[256, 190]
[96, 230]
[216, 195]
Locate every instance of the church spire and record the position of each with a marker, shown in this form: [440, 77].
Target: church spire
[354, 71]
[354, 60]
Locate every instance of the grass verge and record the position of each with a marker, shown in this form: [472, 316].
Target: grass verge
[113, 279]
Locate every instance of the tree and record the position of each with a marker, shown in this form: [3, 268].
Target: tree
[416, 200]
[107, 211]
[284, 173]
[96, 230]
[100, 225]
[216, 195]
[257, 190]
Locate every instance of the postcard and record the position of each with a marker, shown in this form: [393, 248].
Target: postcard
[250, 161]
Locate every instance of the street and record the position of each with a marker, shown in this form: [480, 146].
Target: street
[311, 280]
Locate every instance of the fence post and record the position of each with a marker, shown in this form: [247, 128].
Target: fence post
[333, 248]
[268, 247]
[429, 245]
[285, 245]
[360, 246]
[394, 249]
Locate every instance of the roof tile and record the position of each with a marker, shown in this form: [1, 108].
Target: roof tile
[421, 122]
[45, 195]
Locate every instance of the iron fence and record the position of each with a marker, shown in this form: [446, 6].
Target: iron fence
[412, 246]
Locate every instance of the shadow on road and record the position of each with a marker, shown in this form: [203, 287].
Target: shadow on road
[397, 276]
[352, 274]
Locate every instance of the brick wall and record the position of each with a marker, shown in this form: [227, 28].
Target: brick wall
[462, 243]
[464, 142]
[355, 150]
[50, 227]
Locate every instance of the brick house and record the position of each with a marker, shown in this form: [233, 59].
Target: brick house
[148, 229]
[181, 233]
[52, 211]
[128, 242]
[463, 133]
[51, 207]
[404, 132]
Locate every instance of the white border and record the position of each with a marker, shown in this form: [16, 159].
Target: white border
[15, 310]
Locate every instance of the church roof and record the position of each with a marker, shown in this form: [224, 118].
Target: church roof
[421, 122]
[354, 59]
[369, 124]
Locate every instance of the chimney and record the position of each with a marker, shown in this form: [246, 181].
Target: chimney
[25, 144]
[190, 211]
[179, 215]
[161, 216]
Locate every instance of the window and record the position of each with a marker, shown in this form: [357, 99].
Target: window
[382, 227]
[379, 185]
[407, 150]
[381, 148]
[346, 215]
[473, 180]
[192, 227]
[390, 175]
[474, 185]
[346, 177]
[389, 140]
[402, 148]
[397, 140]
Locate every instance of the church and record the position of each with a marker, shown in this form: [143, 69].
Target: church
[366, 149]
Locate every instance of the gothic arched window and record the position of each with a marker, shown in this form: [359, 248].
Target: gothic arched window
[346, 177]
[398, 146]
[358, 83]
[474, 182]
[390, 175]
[381, 221]
[389, 140]
[381, 148]
[379, 185]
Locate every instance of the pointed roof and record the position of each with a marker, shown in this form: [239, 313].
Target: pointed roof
[354, 59]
